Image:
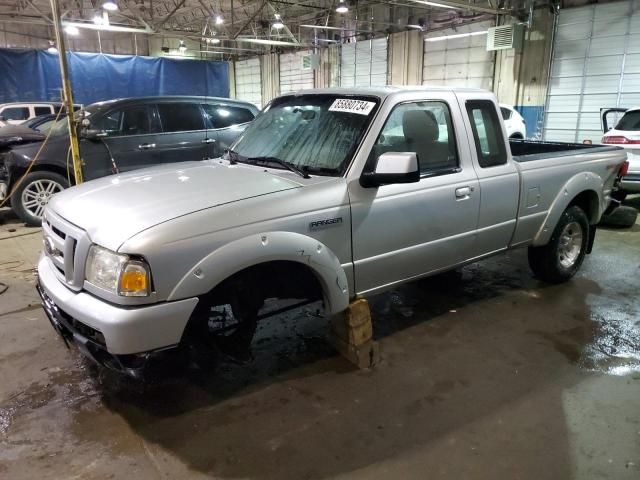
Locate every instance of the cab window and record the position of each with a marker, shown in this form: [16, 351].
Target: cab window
[15, 113]
[487, 133]
[424, 128]
[41, 110]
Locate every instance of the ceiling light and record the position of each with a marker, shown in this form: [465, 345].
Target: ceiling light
[97, 19]
[219, 20]
[182, 47]
[278, 24]
[52, 47]
[457, 35]
[441, 5]
[213, 40]
[72, 30]
[342, 7]
[110, 5]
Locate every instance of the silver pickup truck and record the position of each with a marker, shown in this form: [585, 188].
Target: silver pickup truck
[329, 194]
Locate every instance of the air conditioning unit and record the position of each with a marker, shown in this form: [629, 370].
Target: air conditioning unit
[310, 62]
[505, 37]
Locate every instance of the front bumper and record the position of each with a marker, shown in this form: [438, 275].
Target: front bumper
[102, 330]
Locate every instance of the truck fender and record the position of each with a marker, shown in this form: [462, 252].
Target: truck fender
[266, 247]
[579, 183]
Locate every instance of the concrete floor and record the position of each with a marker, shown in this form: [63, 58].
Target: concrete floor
[485, 375]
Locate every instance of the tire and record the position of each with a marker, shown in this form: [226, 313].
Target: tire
[33, 194]
[560, 259]
[621, 217]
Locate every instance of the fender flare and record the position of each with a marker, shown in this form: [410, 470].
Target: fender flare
[255, 249]
[579, 183]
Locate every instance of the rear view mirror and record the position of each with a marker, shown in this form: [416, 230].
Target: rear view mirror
[393, 167]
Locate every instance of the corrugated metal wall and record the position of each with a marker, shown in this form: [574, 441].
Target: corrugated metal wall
[248, 81]
[292, 77]
[596, 64]
[459, 62]
[364, 63]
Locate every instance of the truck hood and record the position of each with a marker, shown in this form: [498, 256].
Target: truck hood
[113, 209]
[17, 134]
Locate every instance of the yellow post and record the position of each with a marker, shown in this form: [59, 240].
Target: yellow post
[68, 95]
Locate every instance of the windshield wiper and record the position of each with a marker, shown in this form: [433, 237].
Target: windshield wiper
[276, 160]
[232, 156]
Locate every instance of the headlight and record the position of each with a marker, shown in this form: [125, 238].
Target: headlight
[117, 273]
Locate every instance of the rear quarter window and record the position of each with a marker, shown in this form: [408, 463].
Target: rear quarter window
[223, 116]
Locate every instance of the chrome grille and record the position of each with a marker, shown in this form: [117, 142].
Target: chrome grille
[66, 246]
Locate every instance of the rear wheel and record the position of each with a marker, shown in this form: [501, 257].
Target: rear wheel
[561, 258]
[33, 193]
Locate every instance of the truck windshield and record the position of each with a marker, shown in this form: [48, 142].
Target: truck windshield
[317, 134]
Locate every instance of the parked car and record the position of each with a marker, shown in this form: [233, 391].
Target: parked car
[513, 121]
[18, 112]
[321, 198]
[625, 133]
[122, 135]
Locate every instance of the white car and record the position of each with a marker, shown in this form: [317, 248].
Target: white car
[16, 113]
[626, 134]
[514, 122]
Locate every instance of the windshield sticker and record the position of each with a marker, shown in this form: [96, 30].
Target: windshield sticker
[347, 105]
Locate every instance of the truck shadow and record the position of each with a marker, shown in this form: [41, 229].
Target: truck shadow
[457, 349]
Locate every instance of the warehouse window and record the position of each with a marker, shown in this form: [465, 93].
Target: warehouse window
[424, 128]
[180, 117]
[487, 133]
[15, 113]
[223, 116]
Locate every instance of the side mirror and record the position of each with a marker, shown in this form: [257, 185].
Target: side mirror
[393, 167]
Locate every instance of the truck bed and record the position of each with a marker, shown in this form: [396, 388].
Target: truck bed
[529, 150]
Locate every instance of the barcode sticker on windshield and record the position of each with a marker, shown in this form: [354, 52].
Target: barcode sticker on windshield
[347, 105]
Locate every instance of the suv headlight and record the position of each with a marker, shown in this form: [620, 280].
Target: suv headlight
[117, 273]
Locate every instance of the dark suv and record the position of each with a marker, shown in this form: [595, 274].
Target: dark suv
[122, 135]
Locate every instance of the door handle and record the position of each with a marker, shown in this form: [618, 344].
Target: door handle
[209, 140]
[463, 193]
[146, 146]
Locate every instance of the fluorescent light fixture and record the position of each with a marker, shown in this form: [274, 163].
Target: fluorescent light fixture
[72, 30]
[182, 47]
[219, 20]
[278, 25]
[457, 35]
[97, 20]
[108, 28]
[440, 5]
[262, 41]
[214, 41]
[342, 7]
[110, 5]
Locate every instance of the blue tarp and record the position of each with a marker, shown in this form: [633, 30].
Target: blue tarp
[32, 75]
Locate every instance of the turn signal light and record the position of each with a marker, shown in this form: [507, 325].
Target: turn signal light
[134, 280]
[619, 140]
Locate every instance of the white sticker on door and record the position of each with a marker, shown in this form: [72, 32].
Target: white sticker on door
[347, 105]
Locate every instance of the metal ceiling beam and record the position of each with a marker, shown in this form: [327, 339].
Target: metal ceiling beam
[40, 12]
[171, 13]
[250, 19]
[448, 4]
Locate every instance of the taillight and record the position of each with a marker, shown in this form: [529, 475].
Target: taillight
[619, 140]
[624, 168]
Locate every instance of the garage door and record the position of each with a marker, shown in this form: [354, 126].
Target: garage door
[460, 61]
[292, 76]
[364, 64]
[596, 64]
[248, 84]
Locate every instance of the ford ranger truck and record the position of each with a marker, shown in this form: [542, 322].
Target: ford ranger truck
[327, 195]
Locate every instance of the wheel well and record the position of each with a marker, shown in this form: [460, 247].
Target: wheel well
[588, 202]
[17, 174]
[517, 136]
[276, 279]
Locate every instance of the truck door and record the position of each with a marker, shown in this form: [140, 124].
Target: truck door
[498, 175]
[406, 230]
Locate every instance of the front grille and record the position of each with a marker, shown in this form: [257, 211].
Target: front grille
[66, 246]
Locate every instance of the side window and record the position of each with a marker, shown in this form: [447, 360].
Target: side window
[424, 128]
[223, 116]
[108, 123]
[180, 117]
[126, 121]
[15, 113]
[506, 113]
[487, 133]
[41, 111]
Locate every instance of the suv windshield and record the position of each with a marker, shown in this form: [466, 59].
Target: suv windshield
[630, 121]
[314, 133]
